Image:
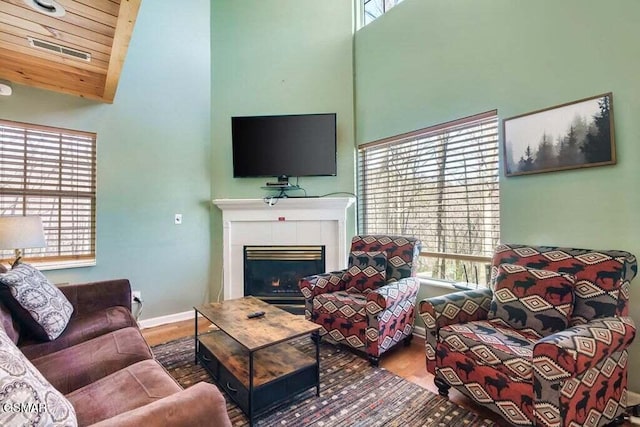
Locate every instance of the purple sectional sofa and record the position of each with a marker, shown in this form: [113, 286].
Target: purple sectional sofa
[105, 369]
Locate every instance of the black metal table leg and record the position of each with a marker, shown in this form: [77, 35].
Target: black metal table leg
[250, 388]
[195, 336]
[317, 340]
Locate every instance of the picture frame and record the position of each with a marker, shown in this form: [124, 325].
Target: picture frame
[574, 135]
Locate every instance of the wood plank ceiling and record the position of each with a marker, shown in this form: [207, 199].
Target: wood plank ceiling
[101, 28]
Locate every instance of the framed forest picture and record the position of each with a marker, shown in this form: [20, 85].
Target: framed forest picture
[578, 134]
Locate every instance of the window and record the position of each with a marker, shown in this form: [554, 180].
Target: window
[51, 172]
[439, 184]
[373, 9]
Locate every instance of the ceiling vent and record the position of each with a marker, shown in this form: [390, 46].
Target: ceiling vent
[59, 49]
[48, 7]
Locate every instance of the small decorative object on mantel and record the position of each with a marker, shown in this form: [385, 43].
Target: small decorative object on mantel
[575, 135]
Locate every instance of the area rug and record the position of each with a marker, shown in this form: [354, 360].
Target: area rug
[352, 393]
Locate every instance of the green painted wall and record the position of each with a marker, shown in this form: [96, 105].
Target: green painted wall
[279, 57]
[153, 158]
[430, 61]
[164, 145]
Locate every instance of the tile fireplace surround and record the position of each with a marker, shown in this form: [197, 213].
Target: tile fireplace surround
[293, 221]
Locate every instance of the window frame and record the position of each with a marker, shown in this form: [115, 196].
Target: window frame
[362, 4]
[489, 118]
[84, 150]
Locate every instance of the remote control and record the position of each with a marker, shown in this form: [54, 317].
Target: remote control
[256, 314]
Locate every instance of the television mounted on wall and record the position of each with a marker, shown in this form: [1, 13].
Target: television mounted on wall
[284, 146]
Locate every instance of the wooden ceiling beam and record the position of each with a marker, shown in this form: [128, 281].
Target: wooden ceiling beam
[55, 23]
[102, 28]
[60, 86]
[107, 6]
[27, 28]
[89, 12]
[63, 80]
[69, 18]
[124, 29]
[95, 66]
[17, 57]
[19, 37]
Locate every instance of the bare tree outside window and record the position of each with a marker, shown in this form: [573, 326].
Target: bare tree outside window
[50, 172]
[439, 184]
[373, 9]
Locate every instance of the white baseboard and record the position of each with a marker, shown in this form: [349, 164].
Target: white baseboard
[163, 320]
[419, 331]
[633, 398]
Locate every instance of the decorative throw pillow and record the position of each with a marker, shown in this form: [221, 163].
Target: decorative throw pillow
[38, 304]
[26, 398]
[366, 271]
[527, 298]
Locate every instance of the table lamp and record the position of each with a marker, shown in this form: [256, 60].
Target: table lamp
[20, 232]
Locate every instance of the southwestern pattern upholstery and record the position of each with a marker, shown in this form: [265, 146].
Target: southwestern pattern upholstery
[573, 377]
[528, 298]
[366, 316]
[367, 271]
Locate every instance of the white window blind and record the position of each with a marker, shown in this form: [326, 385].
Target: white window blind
[439, 184]
[50, 172]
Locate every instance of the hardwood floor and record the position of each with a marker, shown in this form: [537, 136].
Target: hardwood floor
[171, 331]
[407, 362]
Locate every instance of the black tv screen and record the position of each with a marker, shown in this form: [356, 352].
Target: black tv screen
[291, 145]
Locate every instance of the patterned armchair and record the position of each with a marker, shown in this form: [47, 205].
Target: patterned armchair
[541, 372]
[369, 306]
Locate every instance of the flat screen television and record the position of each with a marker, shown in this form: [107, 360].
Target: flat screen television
[284, 146]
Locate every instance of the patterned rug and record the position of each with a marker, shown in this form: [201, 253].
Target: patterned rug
[352, 393]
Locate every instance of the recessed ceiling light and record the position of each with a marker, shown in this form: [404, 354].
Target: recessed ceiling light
[48, 7]
[5, 88]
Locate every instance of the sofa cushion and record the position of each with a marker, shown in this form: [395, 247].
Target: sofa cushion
[129, 388]
[81, 328]
[342, 304]
[602, 276]
[366, 271]
[21, 384]
[491, 343]
[38, 304]
[74, 367]
[531, 299]
[343, 316]
[9, 324]
[402, 252]
[199, 405]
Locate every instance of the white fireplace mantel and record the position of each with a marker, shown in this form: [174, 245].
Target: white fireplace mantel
[287, 221]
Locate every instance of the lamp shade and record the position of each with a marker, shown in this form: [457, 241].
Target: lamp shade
[19, 232]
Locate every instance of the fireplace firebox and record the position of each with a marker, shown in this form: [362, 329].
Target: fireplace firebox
[271, 273]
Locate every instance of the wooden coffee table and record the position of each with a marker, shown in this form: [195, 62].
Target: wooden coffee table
[251, 358]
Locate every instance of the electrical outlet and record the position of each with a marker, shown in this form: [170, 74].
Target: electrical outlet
[177, 219]
[136, 294]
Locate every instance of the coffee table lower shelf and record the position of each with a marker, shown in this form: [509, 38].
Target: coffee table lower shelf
[279, 372]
